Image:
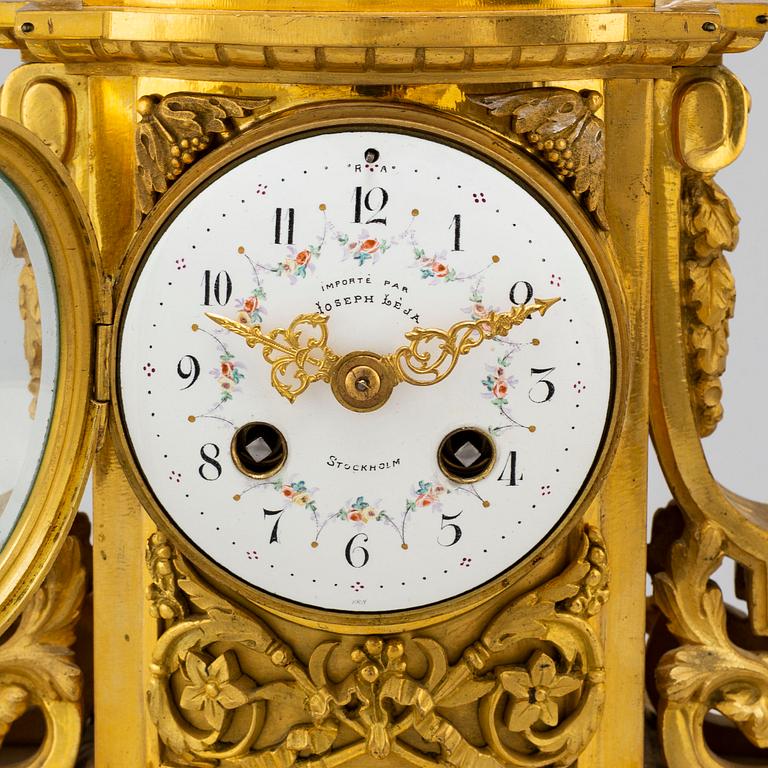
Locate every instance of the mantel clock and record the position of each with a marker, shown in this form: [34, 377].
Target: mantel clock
[349, 306]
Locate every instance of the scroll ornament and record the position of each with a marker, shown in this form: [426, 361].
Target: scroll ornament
[710, 227]
[174, 130]
[37, 665]
[226, 690]
[708, 670]
[561, 127]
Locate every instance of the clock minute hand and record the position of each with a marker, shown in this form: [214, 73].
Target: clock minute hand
[299, 354]
[433, 353]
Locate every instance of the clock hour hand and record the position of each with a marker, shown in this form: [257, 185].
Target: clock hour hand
[432, 353]
[298, 354]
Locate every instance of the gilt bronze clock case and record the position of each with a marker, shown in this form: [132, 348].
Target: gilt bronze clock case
[323, 119]
[58, 311]
[544, 664]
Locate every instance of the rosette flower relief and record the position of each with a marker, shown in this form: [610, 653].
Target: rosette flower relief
[216, 688]
[535, 692]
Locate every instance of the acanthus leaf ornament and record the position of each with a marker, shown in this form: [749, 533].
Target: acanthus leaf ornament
[533, 679]
[708, 670]
[37, 664]
[710, 227]
[174, 130]
[560, 126]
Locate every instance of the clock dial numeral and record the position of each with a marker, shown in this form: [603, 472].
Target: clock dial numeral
[356, 554]
[456, 227]
[210, 469]
[455, 530]
[188, 368]
[272, 513]
[279, 231]
[219, 289]
[509, 472]
[374, 201]
[535, 392]
[521, 293]
[349, 512]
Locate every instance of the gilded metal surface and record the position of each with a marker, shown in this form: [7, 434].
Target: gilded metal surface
[175, 129]
[51, 505]
[330, 115]
[300, 355]
[101, 62]
[709, 668]
[226, 687]
[37, 666]
[29, 308]
[710, 226]
[561, 128]
[432, 354]
[377, 45]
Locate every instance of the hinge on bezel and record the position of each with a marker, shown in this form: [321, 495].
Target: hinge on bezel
[101, 381]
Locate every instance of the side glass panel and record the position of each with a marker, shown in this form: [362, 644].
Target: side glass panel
[29, 354]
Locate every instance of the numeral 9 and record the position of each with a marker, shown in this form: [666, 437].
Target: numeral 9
[188, 368]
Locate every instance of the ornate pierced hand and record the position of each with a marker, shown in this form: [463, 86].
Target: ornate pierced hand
[432, 354]
[298, 354]
[363, 381]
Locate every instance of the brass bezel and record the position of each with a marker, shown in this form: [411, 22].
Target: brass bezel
[56, 206]
[239, 464]
[456, 478]
[471, 137]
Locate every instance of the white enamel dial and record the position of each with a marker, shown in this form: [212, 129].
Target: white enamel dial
[382, 232]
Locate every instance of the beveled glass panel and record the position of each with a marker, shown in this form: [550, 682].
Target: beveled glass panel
[29, 352]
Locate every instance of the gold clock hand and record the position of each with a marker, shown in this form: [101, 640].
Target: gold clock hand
[433, 353]
[299, 354]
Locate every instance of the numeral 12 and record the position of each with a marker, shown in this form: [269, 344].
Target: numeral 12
[375, 197]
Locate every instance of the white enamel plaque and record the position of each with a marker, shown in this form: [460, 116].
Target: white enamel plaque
[382, 232]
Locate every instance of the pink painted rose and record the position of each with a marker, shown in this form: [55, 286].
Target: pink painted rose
[500, 389]
[439, 270]
[287, 491]
[369, 246]
[250, 304]
[302, 257]
[355, 517]
[425, 500]
[227, 368]
[480, 310]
